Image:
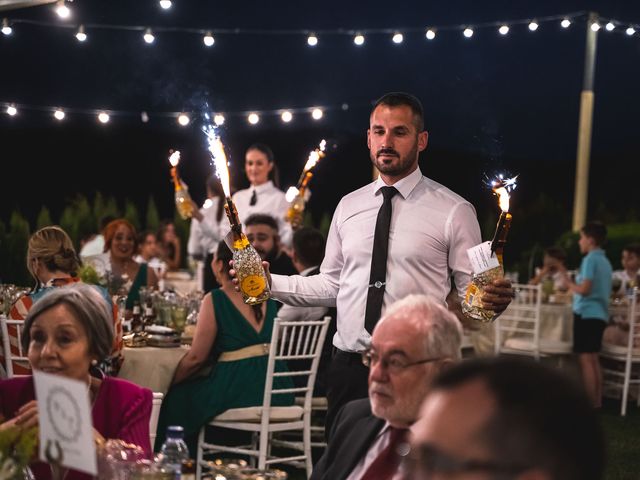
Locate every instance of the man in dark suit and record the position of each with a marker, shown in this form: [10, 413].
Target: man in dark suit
[415, 340]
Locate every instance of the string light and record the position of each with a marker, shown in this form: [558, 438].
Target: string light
[218, 119]
[183, 119]
[397, 38]
[317, 113]
[81, 36]
[565, 23]
[630, 31]
[12, 110]
[595, 26]
[208, 39]
[144, 117]
[468, 32]
[103, 117]
[533, 26]
[609, 27]
[59, 114]
[165, 4]
[62, 10]
[312, 40]
[6, 28]
[504, 29]
[431, 34]
[253, 118]
[286, 116]
[148, 36]
[358, 39]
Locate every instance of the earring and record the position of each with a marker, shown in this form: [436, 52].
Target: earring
[94, 362]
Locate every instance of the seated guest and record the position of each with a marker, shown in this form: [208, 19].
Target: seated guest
[148, 253]
[626, 279]
[67, 333]
[262, 232]
[506, 418]
[94, 245]
[117, 264]
[169, 245]
[226, 327]
[553, 263]
[415, 339]
[53, 263]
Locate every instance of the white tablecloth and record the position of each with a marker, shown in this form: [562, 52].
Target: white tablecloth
[151, 367]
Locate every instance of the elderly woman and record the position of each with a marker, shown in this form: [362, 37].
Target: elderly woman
[66, 333]
[118, 264]
[225, 324]
[53, 262]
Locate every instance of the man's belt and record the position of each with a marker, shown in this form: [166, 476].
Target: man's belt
[257, 350]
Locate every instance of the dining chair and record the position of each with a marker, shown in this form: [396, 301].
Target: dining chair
[621, 364]
[155, 416]
[289, 341]
[15, 358]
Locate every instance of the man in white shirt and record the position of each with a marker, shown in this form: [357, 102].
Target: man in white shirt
[416, 339]
[430, 230]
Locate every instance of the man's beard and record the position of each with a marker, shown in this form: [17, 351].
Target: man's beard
[269, 256]
[405, 164]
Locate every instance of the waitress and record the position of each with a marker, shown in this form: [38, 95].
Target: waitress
[263, 195]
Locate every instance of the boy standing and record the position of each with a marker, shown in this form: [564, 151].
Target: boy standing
[591, 290]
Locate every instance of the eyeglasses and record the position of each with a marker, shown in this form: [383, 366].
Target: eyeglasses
[393, 365]
[427, 460]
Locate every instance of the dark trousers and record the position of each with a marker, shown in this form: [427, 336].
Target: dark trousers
[347, 380]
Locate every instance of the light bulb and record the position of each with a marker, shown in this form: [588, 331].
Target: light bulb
[218, 119]
[468, 32]
[208, 39]
[595, 26]
[533, 26]
[286, 116]
[165, 4]
[630, 31]
[312, 40]
[103, 117]
[81, 36]
[609, 26]
[431, 34]
[565, 23]
[397, 38]
[62, 10]
[504, 29]
[183, 119]
[148, 36]
[317, 113]
[358, 39]
[253, 118]
[12, 110]
[6, 28]
[144, 117]
[59, 114]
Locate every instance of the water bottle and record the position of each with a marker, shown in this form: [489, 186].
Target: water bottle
[174, 450]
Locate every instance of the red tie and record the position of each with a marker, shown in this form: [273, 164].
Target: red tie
[385, 466]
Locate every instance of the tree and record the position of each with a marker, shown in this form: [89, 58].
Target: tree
[44, 218]
[153, 218]
[131, 214]
[17, 242]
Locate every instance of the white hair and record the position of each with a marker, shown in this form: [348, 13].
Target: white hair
[442, 332]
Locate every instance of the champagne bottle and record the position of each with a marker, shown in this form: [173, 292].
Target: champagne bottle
[472, 302]
[252, 278]
[184, 204]
[295, 213]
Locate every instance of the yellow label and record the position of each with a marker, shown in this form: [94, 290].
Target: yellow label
[240, 243]
[253, 285]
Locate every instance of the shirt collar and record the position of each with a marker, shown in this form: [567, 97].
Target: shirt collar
[263, 187]
[404, 186]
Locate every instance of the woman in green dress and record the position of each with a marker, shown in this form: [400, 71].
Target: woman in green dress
[225, 324]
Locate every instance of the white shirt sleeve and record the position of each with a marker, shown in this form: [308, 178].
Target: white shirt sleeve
[464, 232]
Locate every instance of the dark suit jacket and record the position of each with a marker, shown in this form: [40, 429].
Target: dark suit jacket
[354, 430]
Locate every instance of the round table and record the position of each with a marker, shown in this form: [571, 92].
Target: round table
[151, 367]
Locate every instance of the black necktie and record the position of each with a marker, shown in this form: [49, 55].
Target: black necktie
[254, 198]
[378, 275]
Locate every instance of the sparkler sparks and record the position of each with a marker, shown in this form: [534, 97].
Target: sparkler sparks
[216, 149]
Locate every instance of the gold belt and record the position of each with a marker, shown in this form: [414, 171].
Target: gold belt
[257, 350]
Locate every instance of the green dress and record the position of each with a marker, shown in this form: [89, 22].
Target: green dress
[236, 384]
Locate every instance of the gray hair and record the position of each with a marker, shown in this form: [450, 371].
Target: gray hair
[89, 307]
[441, 329]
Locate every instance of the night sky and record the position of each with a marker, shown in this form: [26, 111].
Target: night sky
[491, 102]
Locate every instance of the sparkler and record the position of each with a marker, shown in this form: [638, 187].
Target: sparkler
[296, 195]
[501, 187]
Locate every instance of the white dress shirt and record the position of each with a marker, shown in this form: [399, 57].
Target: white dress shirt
[431, 230]
[204, 236]
[270, 201]
[378, 445]
[624, 278]
[290, 313]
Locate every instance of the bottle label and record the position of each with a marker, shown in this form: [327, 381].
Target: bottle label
[253, 285]
[481, 258]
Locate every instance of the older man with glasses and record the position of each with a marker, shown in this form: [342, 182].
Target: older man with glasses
[415, 340]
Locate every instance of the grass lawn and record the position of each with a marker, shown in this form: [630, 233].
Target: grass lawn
[623, 441]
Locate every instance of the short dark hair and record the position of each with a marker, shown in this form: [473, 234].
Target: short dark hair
[261, 219]
[542, 418]
[556, 252]
[398, 99]
[632, 248]
[597, 231]
[274, 175]
[308, 245]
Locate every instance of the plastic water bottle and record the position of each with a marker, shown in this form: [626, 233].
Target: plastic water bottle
[174, 450]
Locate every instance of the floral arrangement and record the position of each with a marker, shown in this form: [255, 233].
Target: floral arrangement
[17, 447]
